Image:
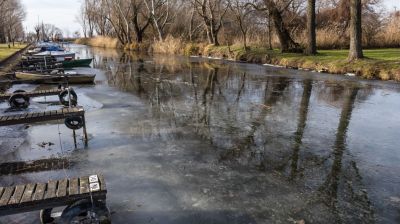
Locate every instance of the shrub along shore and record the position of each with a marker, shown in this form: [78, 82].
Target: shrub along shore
[383, 64]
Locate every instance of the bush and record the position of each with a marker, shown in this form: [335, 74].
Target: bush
[170, 45]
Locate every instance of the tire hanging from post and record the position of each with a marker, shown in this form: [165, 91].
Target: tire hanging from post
[63, 96]
[74, 123]
[19, 101]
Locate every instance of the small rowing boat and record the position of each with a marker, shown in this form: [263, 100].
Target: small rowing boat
[58, 55]
[48, 78]
[77, 63]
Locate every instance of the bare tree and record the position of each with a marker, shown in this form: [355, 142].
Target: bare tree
[275, 14]
[213, 13]
[11, 16]
[159, 11]
[37, 28]
[140, 20]
[242, 15]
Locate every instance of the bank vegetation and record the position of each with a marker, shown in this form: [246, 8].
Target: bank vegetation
[324, 35]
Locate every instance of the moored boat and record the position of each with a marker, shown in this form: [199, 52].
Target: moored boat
[49, 78]
[58, 55]
[77, 63]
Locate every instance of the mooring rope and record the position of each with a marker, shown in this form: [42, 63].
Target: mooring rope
[62, 150]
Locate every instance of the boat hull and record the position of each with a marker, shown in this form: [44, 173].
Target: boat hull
[58, 55]
[55, 79]
[77, 63]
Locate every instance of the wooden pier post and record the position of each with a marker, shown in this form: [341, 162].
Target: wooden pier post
[84, 130]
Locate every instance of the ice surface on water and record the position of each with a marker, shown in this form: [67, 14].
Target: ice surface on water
[194, 141]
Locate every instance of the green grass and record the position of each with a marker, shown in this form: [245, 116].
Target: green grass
[378, 63]
[388, 54]
[5, 51]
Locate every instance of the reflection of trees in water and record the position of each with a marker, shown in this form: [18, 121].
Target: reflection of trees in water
[235, 112]
[272, 91]
[301, 125]
[344, 184]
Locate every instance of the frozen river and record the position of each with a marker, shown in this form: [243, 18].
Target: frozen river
[189, 140]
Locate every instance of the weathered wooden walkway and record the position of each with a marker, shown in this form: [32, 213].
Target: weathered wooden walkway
[13, 168]
[51, 92]
[26, 118]
[54, 193]
[41, 116]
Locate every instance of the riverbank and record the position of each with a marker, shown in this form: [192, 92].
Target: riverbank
[383, 64]
[8, 56]
[6, 52]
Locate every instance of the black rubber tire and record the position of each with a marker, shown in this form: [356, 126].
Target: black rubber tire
[19, 101]
[45, 216]
[74, 123]
[19, 91]
[80, 209]
[63, 96]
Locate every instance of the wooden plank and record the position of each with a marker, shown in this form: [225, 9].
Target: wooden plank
[5, 198]
[62, 188]
[19, 191]
[51, 189]
[84, 185]
[8, 118]
[26, 115]
[39, 192]
[29, 116]
[34, 115]
[103, 186]
[28, 193]
[73, 186]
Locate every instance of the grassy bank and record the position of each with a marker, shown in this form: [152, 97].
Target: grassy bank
[5, 52]
[381, 64]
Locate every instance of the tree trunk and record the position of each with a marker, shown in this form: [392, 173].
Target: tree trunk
[139, 37]
[269, 33]
[311, 34]
[215, 38]
[287, 43]
[355, 31]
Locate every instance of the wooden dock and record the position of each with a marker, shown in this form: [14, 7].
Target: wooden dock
[14, 168]
[54, 193]
[27, 118]
[51, 92]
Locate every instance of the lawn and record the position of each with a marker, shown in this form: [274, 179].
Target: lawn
[5, 51]
[387, 54]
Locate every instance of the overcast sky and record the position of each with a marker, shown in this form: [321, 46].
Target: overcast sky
[62, 13]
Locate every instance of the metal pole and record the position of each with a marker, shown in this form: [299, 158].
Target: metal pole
[84, 130]
[76, 146]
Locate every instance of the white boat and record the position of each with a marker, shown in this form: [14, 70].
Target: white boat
[59, 55]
